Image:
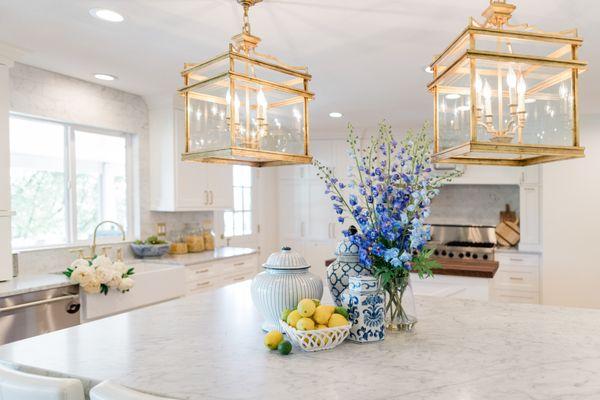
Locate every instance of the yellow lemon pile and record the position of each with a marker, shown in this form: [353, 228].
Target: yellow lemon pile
[310, 314]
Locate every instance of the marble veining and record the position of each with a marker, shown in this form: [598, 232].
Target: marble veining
[209, 346]
[32, 283]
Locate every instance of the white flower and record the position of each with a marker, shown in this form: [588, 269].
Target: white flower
[105, 274]
[115, 281]
[92, 285]
[120, 267]
[82, 274]
[126, 284]
[80, 262]
[101, 261]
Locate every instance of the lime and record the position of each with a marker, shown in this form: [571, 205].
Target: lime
[342, 311]
[285, 313]
[284, 348]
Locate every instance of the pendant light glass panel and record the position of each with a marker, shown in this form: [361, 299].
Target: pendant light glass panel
[507, 95]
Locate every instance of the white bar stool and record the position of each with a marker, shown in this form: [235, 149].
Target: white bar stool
[108, 390]
[16, 385]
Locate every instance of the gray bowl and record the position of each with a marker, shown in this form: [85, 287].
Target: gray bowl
[150, 250]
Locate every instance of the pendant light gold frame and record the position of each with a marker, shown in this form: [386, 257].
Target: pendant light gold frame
[465, 54]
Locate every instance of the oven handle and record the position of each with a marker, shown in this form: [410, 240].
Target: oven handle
[39, 302]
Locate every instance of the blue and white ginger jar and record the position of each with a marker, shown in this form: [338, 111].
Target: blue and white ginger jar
[364, 300]
[282, 285]
[346, 264]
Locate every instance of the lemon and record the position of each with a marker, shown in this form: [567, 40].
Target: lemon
[285, 313]
[272, 339]
[322, 314]
[321, 326]
[305, 324]
[306, 307]
[337, 320]
[293, 318]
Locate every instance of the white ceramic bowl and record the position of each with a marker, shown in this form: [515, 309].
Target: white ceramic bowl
[318, 339]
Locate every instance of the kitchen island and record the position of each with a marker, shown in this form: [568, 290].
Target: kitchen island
[209, 346]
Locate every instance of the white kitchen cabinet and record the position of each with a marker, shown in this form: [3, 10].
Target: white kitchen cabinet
[518, 277]
[5, 215]
[177, 185]
[488, 175]
[210, 275]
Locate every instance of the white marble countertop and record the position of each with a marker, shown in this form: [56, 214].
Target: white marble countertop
[209, 346]
[31, 283]
[204, 257]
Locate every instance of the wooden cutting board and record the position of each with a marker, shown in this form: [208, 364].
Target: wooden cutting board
[508, 215]
[508, 233]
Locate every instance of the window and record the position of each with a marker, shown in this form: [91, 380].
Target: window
[239, 221]
[64, 180]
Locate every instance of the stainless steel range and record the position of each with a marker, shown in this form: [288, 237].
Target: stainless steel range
[466, 242]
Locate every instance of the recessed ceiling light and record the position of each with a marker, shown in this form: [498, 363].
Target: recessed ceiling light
[106, 15]
[428, 69]
[529, 101]
[335, 115]
[453, 96]
[105, 77]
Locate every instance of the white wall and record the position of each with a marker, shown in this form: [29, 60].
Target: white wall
[571, 219]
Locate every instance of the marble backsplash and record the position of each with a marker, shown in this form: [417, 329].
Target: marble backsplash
[473, 204]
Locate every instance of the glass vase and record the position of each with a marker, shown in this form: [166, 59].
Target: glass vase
[399, 300]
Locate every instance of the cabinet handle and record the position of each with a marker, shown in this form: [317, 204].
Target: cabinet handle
[201, 271]
[516, 259]
[206, 197]
[239, 278]
[238, 264]
[212, 198]
[205, 283]
[515, 278]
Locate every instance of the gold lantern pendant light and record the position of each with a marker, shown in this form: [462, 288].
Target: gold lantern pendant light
[247, 108]
[506, 94]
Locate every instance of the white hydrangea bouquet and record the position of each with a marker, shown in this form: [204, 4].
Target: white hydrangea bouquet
[100, 275]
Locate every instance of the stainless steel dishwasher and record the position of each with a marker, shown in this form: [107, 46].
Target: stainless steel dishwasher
[30, 314]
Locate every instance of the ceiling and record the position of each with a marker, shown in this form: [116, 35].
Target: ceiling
[366, 56]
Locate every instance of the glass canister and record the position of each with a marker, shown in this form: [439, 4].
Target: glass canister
[194, 238]
[209, 236]
[178, 245]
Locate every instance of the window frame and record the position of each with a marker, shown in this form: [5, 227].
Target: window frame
[251, 210]
[70, 189]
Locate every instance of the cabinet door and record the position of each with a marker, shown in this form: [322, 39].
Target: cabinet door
[530, 217]
[5, 249]
[320, 212]
[293, 206]
[220, 186]
[191, 191]
[322, 150]
[317, 252]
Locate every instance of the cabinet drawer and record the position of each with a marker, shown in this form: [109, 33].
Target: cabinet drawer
[514, 296]
[517, 279]
[200, 272]
[236, 266]
[228, 280]
[518, 259]
[202, 285]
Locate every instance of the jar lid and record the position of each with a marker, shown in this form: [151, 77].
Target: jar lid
[286, 259]
[346, 248]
